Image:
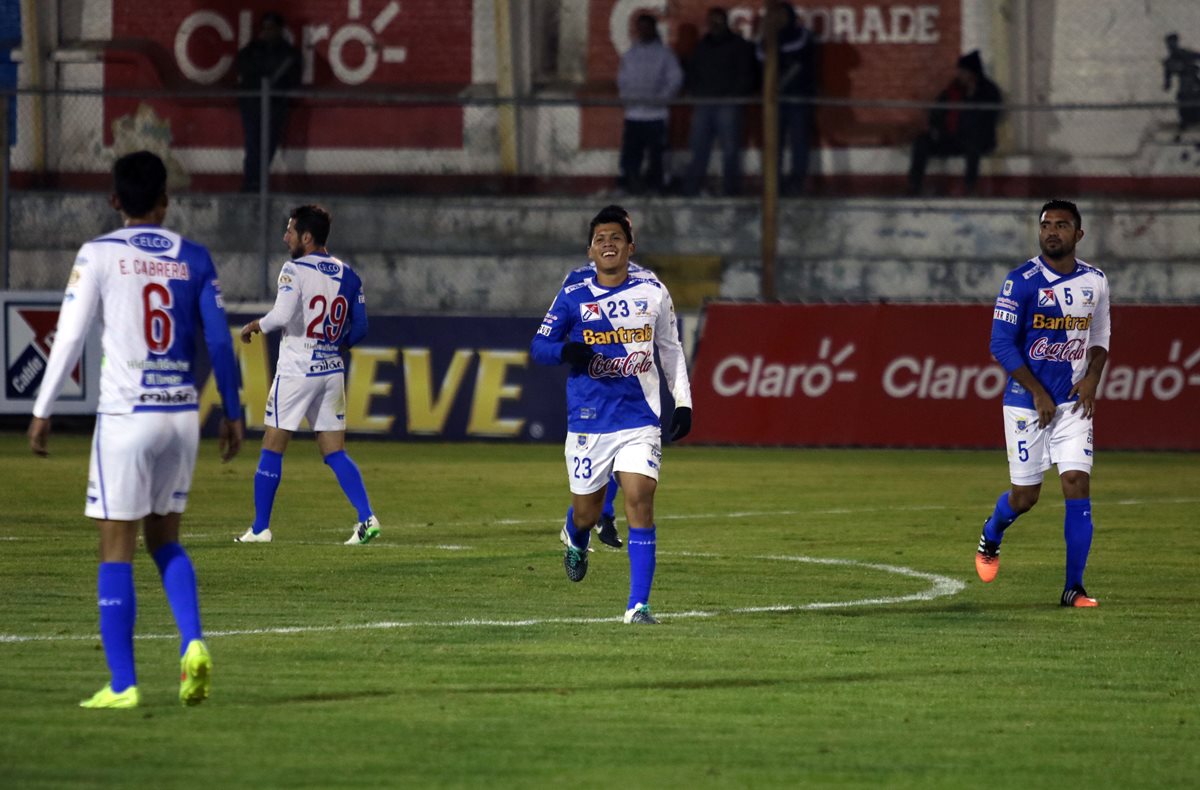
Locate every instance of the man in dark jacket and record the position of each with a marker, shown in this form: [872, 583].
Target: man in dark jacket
[722, 67]
[798, 79]
[954, 131]
[270, 57]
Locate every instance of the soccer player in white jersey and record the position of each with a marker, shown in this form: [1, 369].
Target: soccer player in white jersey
[606, 526]
[1050, 331]
[319, 306]
[154, 292]
[607, 329]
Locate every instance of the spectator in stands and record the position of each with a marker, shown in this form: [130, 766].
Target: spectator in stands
[649, 72]
[957, 131]
[269, 57]
[798, 79]
[721, 67]
[1185, 65]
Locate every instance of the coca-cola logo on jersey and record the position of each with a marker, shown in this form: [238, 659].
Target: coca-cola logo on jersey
[1065, 351]
[619, 367]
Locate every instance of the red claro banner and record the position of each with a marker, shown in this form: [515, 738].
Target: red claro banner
[921, 376]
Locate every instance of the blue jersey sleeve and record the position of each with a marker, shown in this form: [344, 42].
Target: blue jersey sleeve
[1007, 320]
[358, 308]
[219, 342]
[547, 345]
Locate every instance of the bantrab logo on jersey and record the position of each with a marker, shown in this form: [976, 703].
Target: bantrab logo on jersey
[151, 242]
[332, 269]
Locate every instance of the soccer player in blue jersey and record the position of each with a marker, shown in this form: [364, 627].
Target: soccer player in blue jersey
[607, 328]
[1050, 331]
[319, 306]
[606, 527]
[155, 293]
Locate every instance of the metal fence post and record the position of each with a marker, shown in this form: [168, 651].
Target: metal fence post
[5, 173]
[264, 166]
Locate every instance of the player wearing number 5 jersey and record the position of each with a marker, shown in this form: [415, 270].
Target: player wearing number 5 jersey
[319, 307]
[607, 328]
[1050, 331]
[156, 293]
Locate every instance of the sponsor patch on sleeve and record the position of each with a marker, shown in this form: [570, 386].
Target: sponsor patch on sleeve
[1006, 304]
[1005, 316]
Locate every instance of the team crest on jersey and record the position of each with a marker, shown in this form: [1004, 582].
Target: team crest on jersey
[640, 306]
[1046, 297]
[590, 312]
[1089, 295]
[581, 440]
[1008, 286]
[1021, 425]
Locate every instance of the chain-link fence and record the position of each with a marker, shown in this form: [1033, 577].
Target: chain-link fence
[425, 198]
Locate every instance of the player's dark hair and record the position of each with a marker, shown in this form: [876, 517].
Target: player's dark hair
[140, 181]
[312, 219]
[609, 214]
[1063, 205]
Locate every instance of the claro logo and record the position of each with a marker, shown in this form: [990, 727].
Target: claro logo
[755, 377]
[910, 377]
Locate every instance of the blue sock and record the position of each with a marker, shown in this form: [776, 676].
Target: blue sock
[350, 479]
[118, 612]
[641, 565]
[609, 496]
[266, 483]
[1077, 531]
[179, 583]
[1002, 517]
[579, 537]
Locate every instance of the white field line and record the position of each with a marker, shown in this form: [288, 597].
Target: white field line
[940, 586]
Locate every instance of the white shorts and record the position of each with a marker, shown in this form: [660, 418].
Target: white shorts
[1065, 442]
[319, 399]
[141, 464]
[592, 457]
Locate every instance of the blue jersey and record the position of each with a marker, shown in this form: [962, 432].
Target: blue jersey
[155, 292]
[623, 325]
[1047, 321]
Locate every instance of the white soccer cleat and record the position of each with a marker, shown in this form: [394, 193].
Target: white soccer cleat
[250, 537]
[364, 532]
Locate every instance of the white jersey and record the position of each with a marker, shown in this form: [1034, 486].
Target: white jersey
[319, 305]
[155, 291]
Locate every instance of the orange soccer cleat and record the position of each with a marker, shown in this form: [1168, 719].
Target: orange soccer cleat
[987, 559]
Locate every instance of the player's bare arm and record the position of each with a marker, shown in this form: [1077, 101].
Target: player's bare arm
[1086, 387]
[39, 435]
[1043, 404]
[250, 330]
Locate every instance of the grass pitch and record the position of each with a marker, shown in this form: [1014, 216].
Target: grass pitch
[822, 626]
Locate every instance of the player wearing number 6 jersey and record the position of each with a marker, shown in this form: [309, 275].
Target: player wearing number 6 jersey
[607, 328]
[155, 292]
[319, 307]
[1050, 331]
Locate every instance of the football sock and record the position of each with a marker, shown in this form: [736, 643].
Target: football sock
[1077, 531]
[609, 496]
[179, 583]
[579, 537]
[641, 564]
[118, 612]
[1002, 517]
[350, 479]
[266, 483]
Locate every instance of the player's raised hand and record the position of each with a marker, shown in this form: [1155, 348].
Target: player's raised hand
[250, 330]
[39, 434]
[576, 354]
[681, 423]
[229, 438]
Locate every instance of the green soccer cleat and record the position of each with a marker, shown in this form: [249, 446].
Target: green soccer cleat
[107, 698]
[195, 673]
[364, 532]
[575, 560]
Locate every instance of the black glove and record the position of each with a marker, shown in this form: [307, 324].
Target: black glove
[681, 423]
[577, 355]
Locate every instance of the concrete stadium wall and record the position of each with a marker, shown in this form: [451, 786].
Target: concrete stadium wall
[507, 256]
